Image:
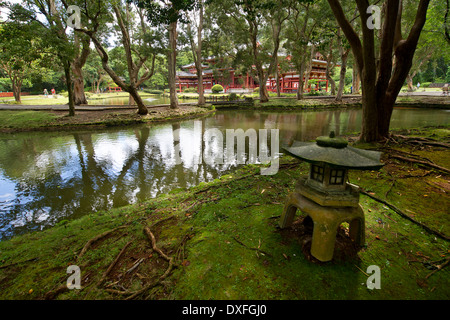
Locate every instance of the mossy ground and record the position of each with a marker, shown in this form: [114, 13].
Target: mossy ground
[224, 238]
[23, 120]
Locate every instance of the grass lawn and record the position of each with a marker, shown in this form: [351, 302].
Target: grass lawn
[25, 119]
[37, 100]
[60, 99]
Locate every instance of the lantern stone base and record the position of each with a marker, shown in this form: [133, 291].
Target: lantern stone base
[327, 219]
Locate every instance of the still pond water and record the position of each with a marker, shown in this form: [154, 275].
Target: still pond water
[47, 177]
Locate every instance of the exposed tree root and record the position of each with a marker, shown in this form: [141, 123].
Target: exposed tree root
[51, 295]
[19, 262]
[439, 267]
[96, 238]
[111, 266]
[153, 243]
[161, 278]
[255, 249]
[421, 163]
[171, 266]
[419, 141]
[180, 254]
[404, 215]
[404, 153]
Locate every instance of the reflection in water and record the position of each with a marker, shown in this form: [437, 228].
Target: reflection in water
[48, 177]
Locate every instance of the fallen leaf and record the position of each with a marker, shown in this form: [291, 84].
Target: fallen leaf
[185, 263]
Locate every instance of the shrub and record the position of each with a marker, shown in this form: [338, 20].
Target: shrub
[190, 90]
[153, 91]
[232, 97]
[217, 88]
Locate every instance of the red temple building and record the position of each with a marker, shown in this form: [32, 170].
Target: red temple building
[232, 81]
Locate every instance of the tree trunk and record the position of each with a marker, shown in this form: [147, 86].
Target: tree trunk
[409, 81]
[81, 42]
[172, 57]
[277, 78]
[340, 92]
[330, 79]
[330, 66]
[16, 87]
[134, 95]
[78, 86]
[369, 129]
[300, 81]
[263, 94]
[309, 68]
[201, 93]
[201, 90]
[69, 86]
[356, 80]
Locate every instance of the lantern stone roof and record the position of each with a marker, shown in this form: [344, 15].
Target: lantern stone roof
[335, 152]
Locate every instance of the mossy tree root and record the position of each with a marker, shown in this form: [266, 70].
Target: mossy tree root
[95, 239]
[404, 215]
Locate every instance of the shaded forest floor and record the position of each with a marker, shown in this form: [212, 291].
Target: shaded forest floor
[220, 240]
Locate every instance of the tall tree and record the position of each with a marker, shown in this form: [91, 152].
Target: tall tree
[251, 21]
[196, 48]
[431, 41]
[137, 54]
[19, 52]
[168, 13]
[52, 16]
[344, 51]
[382, 80]
[299, 33]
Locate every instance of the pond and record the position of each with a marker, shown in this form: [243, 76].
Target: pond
[47, 177]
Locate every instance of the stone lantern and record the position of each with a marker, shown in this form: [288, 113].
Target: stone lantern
[325, 195]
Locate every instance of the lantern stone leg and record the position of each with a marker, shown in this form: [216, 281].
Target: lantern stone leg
[326, 223]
